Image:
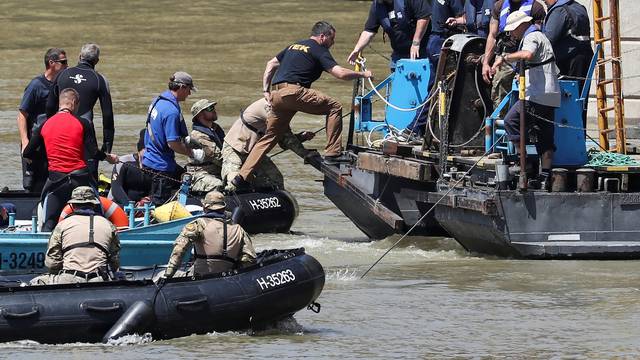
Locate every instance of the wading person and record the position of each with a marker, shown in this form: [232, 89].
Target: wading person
[298, 66]
[32, 111]
[166, 131]
[542, 87]
[404, 21]
[208, 136]
[66, 139]
[242, 137]
[218, 245]
[84, 247]
[92, 86]
[501, 78]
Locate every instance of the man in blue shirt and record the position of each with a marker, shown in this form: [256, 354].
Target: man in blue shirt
[166, 130]
[440, 29]
[32, 111]
[405, 22]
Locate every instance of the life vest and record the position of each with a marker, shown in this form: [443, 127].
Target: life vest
[525, 7]
[478, 19]
[110, 209]
[394, 18]
[580, 24]
[210, 232]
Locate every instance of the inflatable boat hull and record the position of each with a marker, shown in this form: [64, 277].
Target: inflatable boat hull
[277, 286]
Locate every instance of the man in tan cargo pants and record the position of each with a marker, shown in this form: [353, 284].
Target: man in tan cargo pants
[298, 66]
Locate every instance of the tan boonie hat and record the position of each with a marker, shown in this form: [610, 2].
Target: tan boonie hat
[199, 106]
[182, 77]
[84, 195]
[214, 200]
[515, 19]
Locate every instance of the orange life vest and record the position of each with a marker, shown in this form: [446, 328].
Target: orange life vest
[111, 211]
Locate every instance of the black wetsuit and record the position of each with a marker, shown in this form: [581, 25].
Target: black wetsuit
[129, 182]
[92, 86]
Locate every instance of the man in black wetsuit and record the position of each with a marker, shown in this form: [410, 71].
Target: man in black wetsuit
[67, 140]
[91, 86]
[128, 181]
[32, 112]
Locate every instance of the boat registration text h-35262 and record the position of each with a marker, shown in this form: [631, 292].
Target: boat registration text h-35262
[276, 279]
[265, 203]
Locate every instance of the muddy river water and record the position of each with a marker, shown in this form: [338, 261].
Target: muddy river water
[427, 299]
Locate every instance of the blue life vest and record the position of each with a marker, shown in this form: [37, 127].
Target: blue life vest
[399, 17]
[525, 7]
[216, 136]
[580, 24]
[478, 19]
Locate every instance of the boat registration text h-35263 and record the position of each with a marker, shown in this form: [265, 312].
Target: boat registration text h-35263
[276, 279]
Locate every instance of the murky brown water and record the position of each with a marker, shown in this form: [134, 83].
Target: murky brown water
[427, 299]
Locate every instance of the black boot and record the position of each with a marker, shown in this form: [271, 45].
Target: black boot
[240, 183]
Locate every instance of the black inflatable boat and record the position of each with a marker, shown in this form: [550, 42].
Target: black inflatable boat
[281, 283]
[263, 211]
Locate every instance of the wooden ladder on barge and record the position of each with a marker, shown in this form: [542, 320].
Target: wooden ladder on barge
[600, 18]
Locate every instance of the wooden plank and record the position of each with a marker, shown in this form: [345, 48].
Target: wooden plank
[399, 167]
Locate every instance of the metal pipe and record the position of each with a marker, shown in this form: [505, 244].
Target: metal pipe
[586, 180]
[522, 182]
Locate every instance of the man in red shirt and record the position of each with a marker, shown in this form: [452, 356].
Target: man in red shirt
[65, 138]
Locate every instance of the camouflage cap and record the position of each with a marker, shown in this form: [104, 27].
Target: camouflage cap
[200, 105]
[214, 200]
[84, 195]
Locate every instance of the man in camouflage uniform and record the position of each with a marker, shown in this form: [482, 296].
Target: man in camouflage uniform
[218, 245]
[244, 134]
[82, 246]
[208, 136]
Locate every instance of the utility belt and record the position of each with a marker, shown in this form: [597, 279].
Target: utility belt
[215, 257]
[197, 167]
[283, 85]
[99, 272]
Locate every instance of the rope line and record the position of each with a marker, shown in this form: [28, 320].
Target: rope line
[431, 208]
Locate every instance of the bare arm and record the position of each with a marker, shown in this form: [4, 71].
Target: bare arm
[345, 74]
[22, 128]
[364, 40]
[180, 148]
[489, 49]
[516, 56]
[269, 71]
[421, 27]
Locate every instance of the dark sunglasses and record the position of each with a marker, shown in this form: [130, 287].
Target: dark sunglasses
[211, 108]
[63, 62]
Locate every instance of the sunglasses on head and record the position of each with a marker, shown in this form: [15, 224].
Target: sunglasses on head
[63, 62]
[210, 108]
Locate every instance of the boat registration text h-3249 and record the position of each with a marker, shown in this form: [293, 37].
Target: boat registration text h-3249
[276, 279]
[21, 260]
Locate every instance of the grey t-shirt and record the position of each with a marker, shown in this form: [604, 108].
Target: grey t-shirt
[541, 81]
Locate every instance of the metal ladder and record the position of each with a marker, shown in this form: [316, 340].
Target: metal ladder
[599, 20]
